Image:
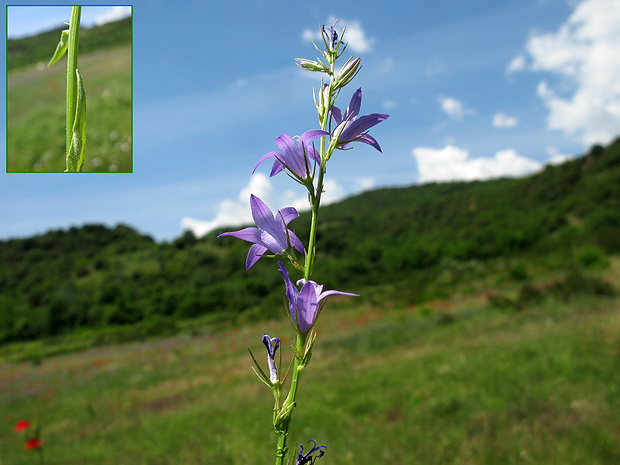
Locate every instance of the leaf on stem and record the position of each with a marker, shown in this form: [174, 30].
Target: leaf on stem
[75, 155]
[61, 48]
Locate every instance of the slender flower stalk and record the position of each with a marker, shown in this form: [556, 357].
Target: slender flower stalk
[75, 122]
[299, 158]
[72, 62]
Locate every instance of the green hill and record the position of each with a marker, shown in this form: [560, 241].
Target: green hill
[400, 245]
[31, 50]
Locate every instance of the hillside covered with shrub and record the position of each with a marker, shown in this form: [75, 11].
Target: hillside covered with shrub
[30, 50]
[403, 245]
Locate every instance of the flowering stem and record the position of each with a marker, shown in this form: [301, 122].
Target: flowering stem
[315, 201]
[290, 398]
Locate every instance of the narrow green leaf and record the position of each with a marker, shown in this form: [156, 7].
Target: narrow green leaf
[75, 155]
[61, 48]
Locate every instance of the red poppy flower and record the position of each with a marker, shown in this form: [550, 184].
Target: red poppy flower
[21, 425]
[33, 443]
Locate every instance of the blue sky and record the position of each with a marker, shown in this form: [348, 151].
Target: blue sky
[474, 90]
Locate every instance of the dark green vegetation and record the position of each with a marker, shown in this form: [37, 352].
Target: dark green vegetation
[31, 50]
[488, 332]
[394, 246]
[36, 101]
[450, 382]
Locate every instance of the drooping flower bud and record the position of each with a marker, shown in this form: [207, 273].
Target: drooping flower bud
[310, 65]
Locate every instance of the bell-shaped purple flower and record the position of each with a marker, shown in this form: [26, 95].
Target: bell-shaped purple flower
[306, 303]
[309, 458]
[272, 345]
[297, 156]
[271, 233]
[350, 127]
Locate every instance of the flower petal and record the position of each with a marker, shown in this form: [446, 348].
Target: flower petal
[354, 105]
[361, 125]
[307, 307]
[254, 254]
[292, 155]
[312, 134]
[246, 234]
[273, 244]
[336, 114]
[262, 214]
[288, 214]
[265, 157]
[291, 291]
[276, 168]
[367, 139]
[295, 242]
[327, 293]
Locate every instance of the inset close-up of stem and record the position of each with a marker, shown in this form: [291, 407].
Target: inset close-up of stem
[76, 95]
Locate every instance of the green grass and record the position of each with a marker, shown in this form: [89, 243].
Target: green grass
[454, 382]
[36, 114]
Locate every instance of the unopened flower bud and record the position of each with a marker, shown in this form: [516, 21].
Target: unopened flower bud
[310, 65]
[272, 345]
[348, 72]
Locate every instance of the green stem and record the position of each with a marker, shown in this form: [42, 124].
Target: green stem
[290, 399]
[315, 202]
[72, 59]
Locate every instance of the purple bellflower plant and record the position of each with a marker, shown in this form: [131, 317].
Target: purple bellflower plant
[271, 234]
[305, 304]
[350, 128]
[299, 159]
[306, 164]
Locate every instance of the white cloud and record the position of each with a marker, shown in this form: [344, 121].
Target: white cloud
[454, 164]
[389, 104]
[233, 212]
[557, 158]
[454, 108]
[355, 35]
[517, 64]
[584, 53]
[364, 184]
[238, 213]
[501, 120]
[386, 66]
[113, 14]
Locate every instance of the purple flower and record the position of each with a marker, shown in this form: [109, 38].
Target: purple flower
[330, 36]
[271, 233]
[350, 128]
[308, 458]
[305, 304]
[272, 345]
[295, 155]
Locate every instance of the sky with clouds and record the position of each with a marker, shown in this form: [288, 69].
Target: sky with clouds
[475, 90]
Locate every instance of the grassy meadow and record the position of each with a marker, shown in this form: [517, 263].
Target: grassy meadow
[464, 380]
[36, 113]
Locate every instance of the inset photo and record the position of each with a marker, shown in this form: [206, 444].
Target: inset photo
[69, 89]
